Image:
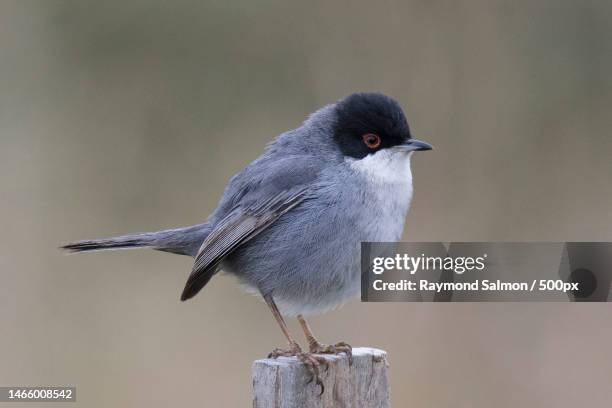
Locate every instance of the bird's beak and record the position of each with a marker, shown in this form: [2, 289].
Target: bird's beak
[412, 145]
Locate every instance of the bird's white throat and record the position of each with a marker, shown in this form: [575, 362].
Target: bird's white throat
[387, 166]
[389, 192]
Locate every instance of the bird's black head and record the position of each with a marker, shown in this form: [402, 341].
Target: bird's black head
[369, 122]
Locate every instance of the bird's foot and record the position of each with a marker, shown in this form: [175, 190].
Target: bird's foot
[312, 361]
[338, 348]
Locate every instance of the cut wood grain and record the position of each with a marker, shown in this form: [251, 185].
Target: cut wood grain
[284, 382]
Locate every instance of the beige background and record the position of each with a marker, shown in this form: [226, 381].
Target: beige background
[128, 116]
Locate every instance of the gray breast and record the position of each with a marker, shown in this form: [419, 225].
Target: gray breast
[309, 260]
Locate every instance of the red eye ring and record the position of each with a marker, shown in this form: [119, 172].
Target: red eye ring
[371, 140]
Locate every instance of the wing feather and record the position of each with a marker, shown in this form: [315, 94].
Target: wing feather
[238, 227]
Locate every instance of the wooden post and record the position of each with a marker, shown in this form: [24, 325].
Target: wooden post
[283, 382]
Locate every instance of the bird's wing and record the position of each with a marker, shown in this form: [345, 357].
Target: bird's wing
[237, 227]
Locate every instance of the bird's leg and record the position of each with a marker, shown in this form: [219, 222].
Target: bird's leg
[317, 348]
[311, 361]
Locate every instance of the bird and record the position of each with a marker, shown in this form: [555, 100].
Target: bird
[290, 224]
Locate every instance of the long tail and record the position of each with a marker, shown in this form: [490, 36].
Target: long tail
[183, 241]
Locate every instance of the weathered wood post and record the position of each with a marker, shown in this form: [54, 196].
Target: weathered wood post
[283, 382]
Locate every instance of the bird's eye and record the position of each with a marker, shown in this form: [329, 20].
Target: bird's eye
[371, 140]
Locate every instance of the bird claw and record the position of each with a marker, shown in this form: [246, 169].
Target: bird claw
[313, 362]
[338, 348]
[309, 359]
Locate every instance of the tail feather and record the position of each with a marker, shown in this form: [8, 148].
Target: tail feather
[184, 241]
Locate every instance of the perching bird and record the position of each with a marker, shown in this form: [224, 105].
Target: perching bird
[289, 225]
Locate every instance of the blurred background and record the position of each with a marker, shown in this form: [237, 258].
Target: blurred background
[119, 117]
